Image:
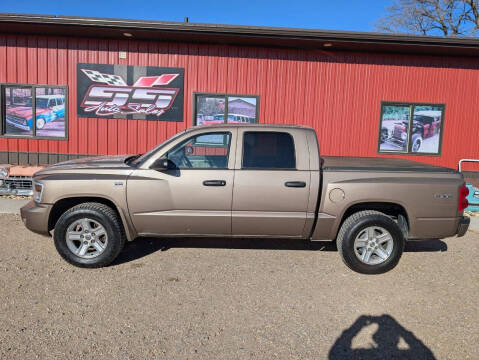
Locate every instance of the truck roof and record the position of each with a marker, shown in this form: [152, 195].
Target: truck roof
[428, 113]
[245, 125]
[49, 96]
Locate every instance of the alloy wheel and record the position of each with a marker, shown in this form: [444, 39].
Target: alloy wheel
[86, 238]
[373, 245]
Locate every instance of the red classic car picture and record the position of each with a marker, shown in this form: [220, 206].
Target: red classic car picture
[49, 112]
[423, 136]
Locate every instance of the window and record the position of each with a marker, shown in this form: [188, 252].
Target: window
[23, 103]
[222, 108]
[268, 150]
[411, 128]
[204, 151]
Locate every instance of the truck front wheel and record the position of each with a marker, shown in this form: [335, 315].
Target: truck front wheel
[89, 235]
[370, 242]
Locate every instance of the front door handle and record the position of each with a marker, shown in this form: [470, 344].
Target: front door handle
[214, 183]
[296, 184]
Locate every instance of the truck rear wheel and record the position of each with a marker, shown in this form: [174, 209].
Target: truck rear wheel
[40, 123]
[370, 242]
[89, 235]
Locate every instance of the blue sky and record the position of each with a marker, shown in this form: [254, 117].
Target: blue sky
[359, 15]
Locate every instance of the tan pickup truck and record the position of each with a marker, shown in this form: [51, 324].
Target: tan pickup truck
[246, 181]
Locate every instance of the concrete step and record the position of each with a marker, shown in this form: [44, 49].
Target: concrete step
[474, 223]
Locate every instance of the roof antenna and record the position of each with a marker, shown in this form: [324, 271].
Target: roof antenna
[186, 19]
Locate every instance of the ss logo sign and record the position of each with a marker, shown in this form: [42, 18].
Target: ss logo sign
[111, 95]
[107, 100]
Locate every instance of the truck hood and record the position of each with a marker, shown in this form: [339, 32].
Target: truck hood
[21, 111]
[340, 163]
[97, 162]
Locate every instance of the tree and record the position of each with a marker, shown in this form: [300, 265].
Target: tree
[432, 17]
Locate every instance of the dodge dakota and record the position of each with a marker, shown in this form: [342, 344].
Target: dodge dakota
[245, 180]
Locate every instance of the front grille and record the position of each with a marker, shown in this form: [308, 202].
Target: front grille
[17, 119]
[397, 132]
[19, 182]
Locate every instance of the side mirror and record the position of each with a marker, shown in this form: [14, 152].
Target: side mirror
[163, 164]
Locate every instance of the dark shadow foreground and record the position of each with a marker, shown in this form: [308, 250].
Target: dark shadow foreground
[391, 341]
[145, 246]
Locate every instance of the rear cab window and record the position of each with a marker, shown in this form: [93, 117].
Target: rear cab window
[268, 150]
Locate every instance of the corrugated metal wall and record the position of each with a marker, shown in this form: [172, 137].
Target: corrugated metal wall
[337, 93]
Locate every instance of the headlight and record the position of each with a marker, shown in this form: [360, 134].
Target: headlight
[3, 173]
[404, 136]
[37, 192]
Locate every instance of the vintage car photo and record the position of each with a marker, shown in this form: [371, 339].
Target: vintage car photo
[49, 112]
[421, 135]
[231, 109]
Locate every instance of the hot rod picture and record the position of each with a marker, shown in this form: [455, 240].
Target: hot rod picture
[423, 135]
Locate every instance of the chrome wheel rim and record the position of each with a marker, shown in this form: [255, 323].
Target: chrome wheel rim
[86, 238]
[373, 245]
[40, 123]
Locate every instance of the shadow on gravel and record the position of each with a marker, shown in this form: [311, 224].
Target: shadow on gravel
[382, 337]
[430, 245]
[145, 246]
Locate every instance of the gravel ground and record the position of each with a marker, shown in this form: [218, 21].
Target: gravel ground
[12, 205]
[236, 299]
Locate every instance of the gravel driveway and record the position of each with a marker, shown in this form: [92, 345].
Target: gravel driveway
[236, 299]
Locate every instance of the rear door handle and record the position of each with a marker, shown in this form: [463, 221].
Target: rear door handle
[297, 184]
[214, 183]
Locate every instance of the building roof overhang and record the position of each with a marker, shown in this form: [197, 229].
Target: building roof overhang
[236, 35]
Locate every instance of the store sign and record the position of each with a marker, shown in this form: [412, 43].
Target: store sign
[132, 92]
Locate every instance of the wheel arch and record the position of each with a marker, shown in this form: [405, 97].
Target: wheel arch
[63, 204]
[389, 208]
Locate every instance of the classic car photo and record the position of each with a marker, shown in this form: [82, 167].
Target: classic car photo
[48, 108]
[424, 133]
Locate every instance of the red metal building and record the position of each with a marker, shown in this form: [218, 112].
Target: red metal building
[348, 86]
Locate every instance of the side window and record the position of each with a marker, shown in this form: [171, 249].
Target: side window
[204, 151]
[268, 150]
[411, 128]
[225, 108]
[33, 111]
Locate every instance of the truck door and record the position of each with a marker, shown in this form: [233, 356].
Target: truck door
[272, 183]
[193, 199]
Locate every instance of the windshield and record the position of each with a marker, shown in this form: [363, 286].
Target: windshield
[423, 119]
[40, 102]
[137, 160]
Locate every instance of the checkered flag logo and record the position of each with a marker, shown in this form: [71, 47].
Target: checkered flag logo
[108, 79]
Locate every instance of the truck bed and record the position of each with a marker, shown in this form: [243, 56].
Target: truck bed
[341, 163]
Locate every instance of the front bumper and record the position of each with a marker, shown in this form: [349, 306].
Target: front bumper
[17, 125]
[35, 217]
[8, 190]
[463, 226]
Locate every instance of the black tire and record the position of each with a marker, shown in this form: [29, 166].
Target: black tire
[104, 215]
[384, 135]
[416, 140]
[352, 227]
